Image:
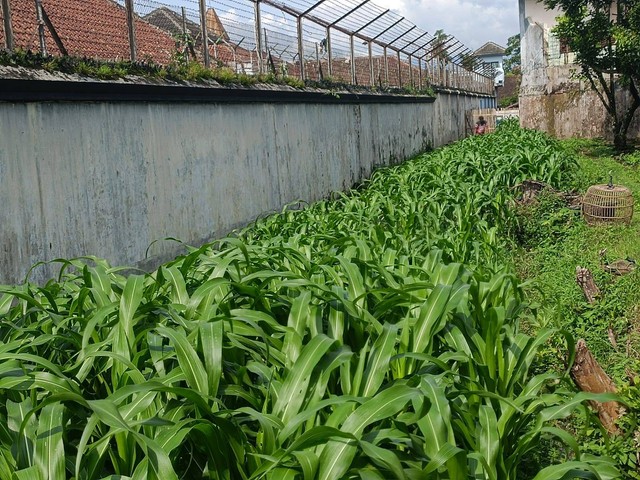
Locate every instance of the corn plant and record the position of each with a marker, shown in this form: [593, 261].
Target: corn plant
[370, 336]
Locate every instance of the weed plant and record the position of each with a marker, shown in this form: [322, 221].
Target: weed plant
[179, 70]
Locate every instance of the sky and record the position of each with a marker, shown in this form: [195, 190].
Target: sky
[473, 22]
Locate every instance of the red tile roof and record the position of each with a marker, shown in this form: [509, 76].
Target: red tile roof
[88, 28]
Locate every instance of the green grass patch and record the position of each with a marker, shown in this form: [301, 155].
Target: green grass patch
[554, 240]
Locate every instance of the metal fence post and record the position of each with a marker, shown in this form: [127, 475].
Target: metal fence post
[259, 47]
[386, 66]
[131, 26]
[205, 33]
[329, 61]
[354, 79]
[300, 47]
[410, 70]
[399, 70]
[8, 30]
[371, 72]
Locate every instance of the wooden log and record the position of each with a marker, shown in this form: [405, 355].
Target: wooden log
[590, 377]
[588, 285]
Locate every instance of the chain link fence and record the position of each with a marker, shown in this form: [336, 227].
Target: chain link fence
[347, 41]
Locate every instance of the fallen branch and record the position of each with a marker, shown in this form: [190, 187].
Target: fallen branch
[590, 377]
[588, 285]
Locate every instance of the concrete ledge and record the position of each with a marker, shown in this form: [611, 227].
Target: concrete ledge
[21, 90]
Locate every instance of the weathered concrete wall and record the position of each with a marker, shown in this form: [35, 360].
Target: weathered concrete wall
[552, 99]
[108, 179]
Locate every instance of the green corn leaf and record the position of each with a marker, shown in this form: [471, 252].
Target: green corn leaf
[24, 433]
[355, 379]
[570, 471]
[84, 457]
[378, 363]
[312, 410]
[431, 318]
[297, 322]
[283, 473]
[49, 451]
[54, 384]
[488, 436]
[188, 360]
[171, 438]
[436, 424]
[160, 467]
[156, 352]
[565, 409]
[100, 286]
[31, 473]
[453, 457]
[108, 413]
[201, 305]
[293, 392]
[355, 282]
[178, 292]
[385, 459]
[211, 336]
[129, 303]
[317, 436]
[308, 461]
[336, 457]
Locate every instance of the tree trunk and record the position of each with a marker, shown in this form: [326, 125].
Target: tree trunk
[620, 141]
[625, 123]
[590, 377]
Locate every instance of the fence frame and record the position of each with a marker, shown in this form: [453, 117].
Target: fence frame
[403, 41]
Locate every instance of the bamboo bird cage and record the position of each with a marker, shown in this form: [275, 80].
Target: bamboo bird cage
[607, 204]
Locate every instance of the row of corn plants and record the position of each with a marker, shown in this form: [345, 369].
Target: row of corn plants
[374, 335]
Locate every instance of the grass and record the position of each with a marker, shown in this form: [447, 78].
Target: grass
[555, 241]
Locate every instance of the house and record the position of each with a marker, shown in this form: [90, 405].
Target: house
[172, 22]
[492, 55]
[223, 50]
[552, 98]
[87, 28]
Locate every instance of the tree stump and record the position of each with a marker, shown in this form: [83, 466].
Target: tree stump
[590, 377]
[588, 285]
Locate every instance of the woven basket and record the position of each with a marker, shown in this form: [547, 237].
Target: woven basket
[607, 204]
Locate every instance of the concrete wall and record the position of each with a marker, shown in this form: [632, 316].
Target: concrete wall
[108, 179]
[552, 98]
[565, 107]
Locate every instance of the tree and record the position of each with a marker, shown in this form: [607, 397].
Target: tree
[605, 36]
[440, 40]
[511, 63]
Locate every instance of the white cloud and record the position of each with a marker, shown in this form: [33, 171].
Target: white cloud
[472, 22]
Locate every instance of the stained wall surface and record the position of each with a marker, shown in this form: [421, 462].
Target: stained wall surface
[553, 98]
[115, 179]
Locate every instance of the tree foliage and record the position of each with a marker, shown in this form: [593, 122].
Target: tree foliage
[605, 37]
[512, 55]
